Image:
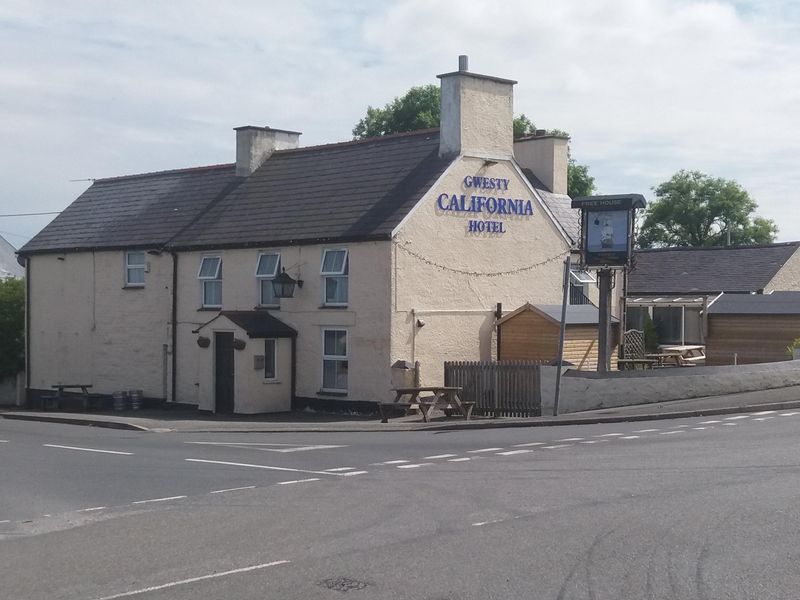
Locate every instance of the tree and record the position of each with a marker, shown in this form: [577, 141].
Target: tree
[12, 326]
[420, 108]
[694, 209]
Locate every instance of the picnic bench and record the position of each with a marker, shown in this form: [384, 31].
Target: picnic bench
[685, 355]
[53, 401]
[445, 398]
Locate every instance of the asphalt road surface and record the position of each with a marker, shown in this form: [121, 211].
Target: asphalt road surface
[693, 508]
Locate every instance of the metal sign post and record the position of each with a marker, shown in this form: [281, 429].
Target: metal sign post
[567, 265]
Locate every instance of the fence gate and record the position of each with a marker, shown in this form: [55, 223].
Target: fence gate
[507, 388]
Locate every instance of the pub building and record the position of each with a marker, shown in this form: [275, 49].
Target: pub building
[305, 276]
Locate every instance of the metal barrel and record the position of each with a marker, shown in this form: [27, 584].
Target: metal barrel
[119, 400]
[136, 399]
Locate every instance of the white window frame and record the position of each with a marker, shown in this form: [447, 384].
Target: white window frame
[339, 274]
[140, 267]
[217, 276]
[274, 359]
[261, 278]
[336, 357]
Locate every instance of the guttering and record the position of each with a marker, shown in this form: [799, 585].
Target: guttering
[174, 325]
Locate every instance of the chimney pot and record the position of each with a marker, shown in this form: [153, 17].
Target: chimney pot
[463, 62]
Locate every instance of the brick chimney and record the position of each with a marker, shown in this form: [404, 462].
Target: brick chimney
[547, 157]
[254, 145]
[477, 114]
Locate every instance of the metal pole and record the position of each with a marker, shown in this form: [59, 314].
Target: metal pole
[567, 264]
[603, 356]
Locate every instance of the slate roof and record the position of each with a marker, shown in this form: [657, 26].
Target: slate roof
[346, 192]
[560, 206]
[776, 303]
[9, 267]
[256, 323]
[577, 314]
[707, 270]
[135, 211]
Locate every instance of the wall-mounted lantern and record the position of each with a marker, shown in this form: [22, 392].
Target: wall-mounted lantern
[283, 285]
[203, 342]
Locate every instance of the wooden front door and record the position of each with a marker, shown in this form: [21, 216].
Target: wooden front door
[223, 372]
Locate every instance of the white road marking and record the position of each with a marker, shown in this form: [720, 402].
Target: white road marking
[3, 522]
[87, 449]
[349, 473]
[731, 424]
[671, 432]
[763, 412]
[92, 509]
[268, 467]
[528, 444]
[158, 500]
[646, 430]
[298, 481]
[570, 440]
[763, 418]
[337, 469]
[482, 523]
[700, 428]
[391, 462]
[164, 586]
[246, 487]
[462, 459]
[3, 441]
[602, 435]
[790, 414]
[736, 418]
[439, 456]
[592, 441]
[709, 422]
[679, 427]
[483, 450]
[629, 437]
[262, 446]
[414, 466]
[512, 452]
[556, 446]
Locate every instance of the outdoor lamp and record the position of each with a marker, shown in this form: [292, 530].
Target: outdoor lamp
[283, 285]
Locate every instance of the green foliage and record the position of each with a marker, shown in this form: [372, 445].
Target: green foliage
[12, 326]
[420, 108]
[694, 209]
[650, 335]
[792, 347]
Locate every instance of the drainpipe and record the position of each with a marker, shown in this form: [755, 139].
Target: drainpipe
[174, 325]
[294, 373]
[27, 329]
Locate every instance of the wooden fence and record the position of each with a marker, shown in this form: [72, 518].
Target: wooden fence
[508, 388]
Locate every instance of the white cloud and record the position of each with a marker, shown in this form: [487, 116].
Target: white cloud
[645, 88]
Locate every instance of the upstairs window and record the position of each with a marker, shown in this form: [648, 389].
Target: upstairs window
[210, 276]
[266, 270]
[135, 266]
[334, 274]
[579, 286]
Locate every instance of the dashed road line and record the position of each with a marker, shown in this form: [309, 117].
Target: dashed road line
[482, 523]
[339, 469]
[462, 459]
[4, 522]
[236, 489]
[731, 424]
[553, 447]
[646, 430]
[390, 462]
[299, 481]
[592, 441]
[603, 435]
[3, 441]
[701, 428]
[763, 412]
[736, 417]
[94, 508]
[629, 437]
[87, 449]
[570, 440]
[414, 466]
[351, 473]
[790, 414]
[763, 418]
[672, 431]
[483, 450]
[171, 584]
[158, 500]
[252, 466]
[435, 456]
[709, 422]
[528, 444]
[513, 452]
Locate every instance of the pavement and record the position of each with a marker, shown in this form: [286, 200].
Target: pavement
[164, 421]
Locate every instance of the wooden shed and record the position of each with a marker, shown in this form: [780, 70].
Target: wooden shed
[531, 333]
[752, 328]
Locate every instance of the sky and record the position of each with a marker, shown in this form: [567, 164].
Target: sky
[93, 89]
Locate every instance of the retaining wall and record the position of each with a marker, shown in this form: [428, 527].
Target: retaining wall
[589, 391]
[12, 390]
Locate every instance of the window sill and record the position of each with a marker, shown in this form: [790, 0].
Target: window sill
[266, 307]
[209, 309]
[341, 393]
[133, 287]
[334, 306]
[272, 382]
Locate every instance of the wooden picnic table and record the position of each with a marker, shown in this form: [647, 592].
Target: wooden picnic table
[634, 363]
[445, 398]
[55, 399]
[685, 354]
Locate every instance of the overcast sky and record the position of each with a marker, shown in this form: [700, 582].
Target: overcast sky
[95, 89]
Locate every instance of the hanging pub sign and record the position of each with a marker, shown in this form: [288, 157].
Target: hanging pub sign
[607, 228]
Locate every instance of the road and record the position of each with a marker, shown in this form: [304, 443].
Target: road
[692, 508]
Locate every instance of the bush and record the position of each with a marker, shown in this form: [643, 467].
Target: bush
[650, 335]
[12, 327]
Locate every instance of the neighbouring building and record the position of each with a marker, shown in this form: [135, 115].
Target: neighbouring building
[401, 248]
[9, 266]
[675, 286]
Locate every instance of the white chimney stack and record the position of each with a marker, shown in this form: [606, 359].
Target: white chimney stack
[254, 145]
[477, 114]
[547, 156]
